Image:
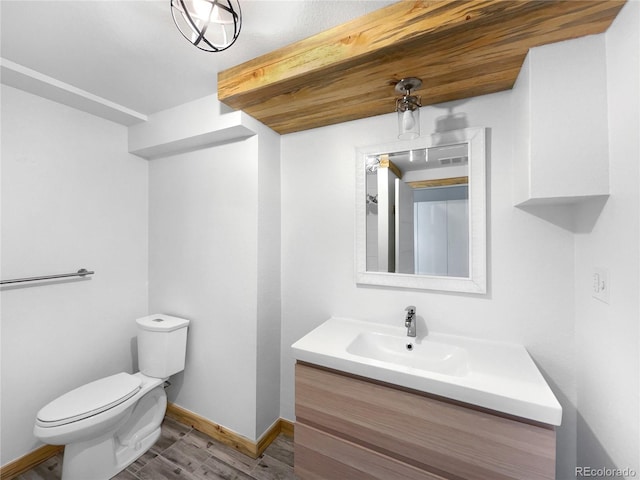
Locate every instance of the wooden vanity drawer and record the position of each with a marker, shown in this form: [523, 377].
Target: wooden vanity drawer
[320, 455]
[437, 436]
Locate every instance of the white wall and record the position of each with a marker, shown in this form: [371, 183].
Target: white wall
[72, 197]
[214, 258]
[269, 299]
[531, 261]
[202, 266]
[194, 235]
[607, 334]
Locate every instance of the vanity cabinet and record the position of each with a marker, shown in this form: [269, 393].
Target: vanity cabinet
[559, 102]
[352, 428]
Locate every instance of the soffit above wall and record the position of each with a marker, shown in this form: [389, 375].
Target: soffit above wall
[459, 49]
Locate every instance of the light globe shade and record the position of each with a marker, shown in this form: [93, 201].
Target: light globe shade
[408, 124]
[210, 25]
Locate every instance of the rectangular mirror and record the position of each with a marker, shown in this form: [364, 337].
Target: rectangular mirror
[421, 213]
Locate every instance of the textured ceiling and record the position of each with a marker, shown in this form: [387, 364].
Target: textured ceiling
[130, 52]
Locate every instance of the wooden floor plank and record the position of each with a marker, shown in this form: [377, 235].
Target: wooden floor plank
[183, 453]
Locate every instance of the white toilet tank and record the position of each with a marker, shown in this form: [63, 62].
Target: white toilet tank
[162, 345]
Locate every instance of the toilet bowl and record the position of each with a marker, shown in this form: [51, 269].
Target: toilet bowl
[108, 424]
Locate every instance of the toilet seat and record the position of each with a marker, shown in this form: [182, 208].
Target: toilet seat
[89, 400]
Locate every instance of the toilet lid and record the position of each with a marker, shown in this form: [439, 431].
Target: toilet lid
[90, 399]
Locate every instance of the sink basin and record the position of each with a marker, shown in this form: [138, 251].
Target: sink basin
[422, 355]
[497, 376]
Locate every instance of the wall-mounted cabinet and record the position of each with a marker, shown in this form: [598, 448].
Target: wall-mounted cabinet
[560, 123]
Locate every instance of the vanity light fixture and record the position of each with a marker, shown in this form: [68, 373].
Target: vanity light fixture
[211, 25]
[408, 108]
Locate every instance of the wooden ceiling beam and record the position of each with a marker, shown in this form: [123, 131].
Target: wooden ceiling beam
[458, 48]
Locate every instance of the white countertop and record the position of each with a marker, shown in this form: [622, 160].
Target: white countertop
[495, 375]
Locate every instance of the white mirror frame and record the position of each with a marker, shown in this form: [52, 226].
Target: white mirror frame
[477, 280]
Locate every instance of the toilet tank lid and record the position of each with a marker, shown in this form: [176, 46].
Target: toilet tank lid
[89, 399]
[161, 323]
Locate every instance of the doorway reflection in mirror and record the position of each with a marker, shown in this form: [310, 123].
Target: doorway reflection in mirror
[420, 223]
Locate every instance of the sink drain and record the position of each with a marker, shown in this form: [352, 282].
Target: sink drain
[409, 346]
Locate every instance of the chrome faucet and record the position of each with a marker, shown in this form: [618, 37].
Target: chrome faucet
[410, 321]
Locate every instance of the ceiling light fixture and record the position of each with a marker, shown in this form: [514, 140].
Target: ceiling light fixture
[408, 108]
[373, 163]
[211, 25]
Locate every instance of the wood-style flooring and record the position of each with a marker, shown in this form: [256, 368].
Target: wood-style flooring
[182, 453]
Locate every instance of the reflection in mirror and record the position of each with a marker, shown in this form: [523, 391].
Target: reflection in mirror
[417, 215]
[418, 226]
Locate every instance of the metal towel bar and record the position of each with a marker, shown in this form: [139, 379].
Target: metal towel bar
[80, 273]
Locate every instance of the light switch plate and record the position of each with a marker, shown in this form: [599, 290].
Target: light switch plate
[601, 286]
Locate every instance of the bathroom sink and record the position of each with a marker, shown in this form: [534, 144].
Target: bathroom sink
[425, 355]
[492, 375]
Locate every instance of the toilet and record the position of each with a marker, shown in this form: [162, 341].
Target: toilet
[109, 423]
